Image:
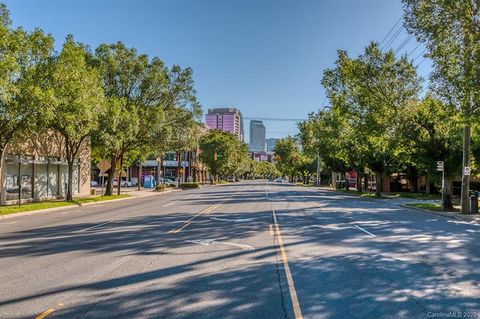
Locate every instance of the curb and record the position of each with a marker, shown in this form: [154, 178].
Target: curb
[46, 210]
[440, 213]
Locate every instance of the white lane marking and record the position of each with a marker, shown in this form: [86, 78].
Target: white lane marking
[169, 204]
[266, 191]
[208, 241]
[204, 242]
[8, 223]
[92, 227]
[365, 231]
[243, 246]
[235, 220]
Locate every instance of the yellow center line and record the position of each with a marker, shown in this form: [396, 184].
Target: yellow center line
[297, 311]
[45, 313]
[189, 221]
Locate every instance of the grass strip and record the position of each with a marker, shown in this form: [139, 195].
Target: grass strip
[6, 210]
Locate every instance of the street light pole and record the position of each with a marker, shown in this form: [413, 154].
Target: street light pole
[318, 170]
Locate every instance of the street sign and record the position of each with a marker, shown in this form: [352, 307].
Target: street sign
[466, 171]
[440, 166]
[104, 165]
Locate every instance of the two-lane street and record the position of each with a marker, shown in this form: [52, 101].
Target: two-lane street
[243, 250]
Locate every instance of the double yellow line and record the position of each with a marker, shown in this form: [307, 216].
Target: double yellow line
[297, 311]
[203, 212]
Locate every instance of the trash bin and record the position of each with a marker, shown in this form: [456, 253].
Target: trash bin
[473, 202]
[93, 191]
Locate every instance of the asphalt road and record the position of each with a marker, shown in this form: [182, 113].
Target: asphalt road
[245, 250]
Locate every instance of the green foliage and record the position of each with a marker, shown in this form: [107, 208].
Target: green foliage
[450, 31]
[78, 101]
[368, 94]
[24, 95]
[287, 155]
[223, 153]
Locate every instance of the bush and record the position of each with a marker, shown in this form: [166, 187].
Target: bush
[190, 185]
[160, 187]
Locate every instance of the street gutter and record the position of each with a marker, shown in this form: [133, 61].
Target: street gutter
[473, 218]
[469, 218]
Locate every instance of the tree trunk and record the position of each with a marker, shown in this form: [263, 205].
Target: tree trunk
[378, 184]
[359, 183]
[111, 175]
[139, 175]
[466, 163]
[70, 180]
[159, 171]
[189, 165]
[179, 165]
[3, 180]
[119, 178]
[427, 185]
[162, 171]
[447, 195]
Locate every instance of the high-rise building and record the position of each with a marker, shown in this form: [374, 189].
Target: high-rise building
[271, 142]
[257, 136]
[227, 120]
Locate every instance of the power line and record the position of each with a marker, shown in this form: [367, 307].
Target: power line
[394, 37]
[403, 43]
[389, 32]
[421, 53]
[418, 45]
[416, 66]
[273, 119]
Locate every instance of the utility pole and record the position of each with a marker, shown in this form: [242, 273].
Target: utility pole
[466, 169]
[318, 170]
[441, 168]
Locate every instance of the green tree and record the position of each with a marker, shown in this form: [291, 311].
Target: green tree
[450, 30]
[222, 153]
[134, 87]
[78, 101]
[287, 155]
[369, 92]
[433, 133]
[24, 95]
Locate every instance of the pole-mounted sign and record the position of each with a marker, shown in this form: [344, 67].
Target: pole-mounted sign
[440, 166]
[466, 171]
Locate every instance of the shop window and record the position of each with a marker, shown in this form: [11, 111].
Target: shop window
[41, 182]
[12, 181]
[26, 179]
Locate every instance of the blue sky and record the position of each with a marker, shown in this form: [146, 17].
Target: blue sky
[265, 57]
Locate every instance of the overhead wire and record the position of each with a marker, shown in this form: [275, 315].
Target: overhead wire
[391, 30]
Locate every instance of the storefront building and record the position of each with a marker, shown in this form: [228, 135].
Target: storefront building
[37, 170]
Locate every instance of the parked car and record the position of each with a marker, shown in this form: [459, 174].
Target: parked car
[122, 183]
[231, 179]
[126, 183]
[279, 180]
[237, 179]
[93, 183]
